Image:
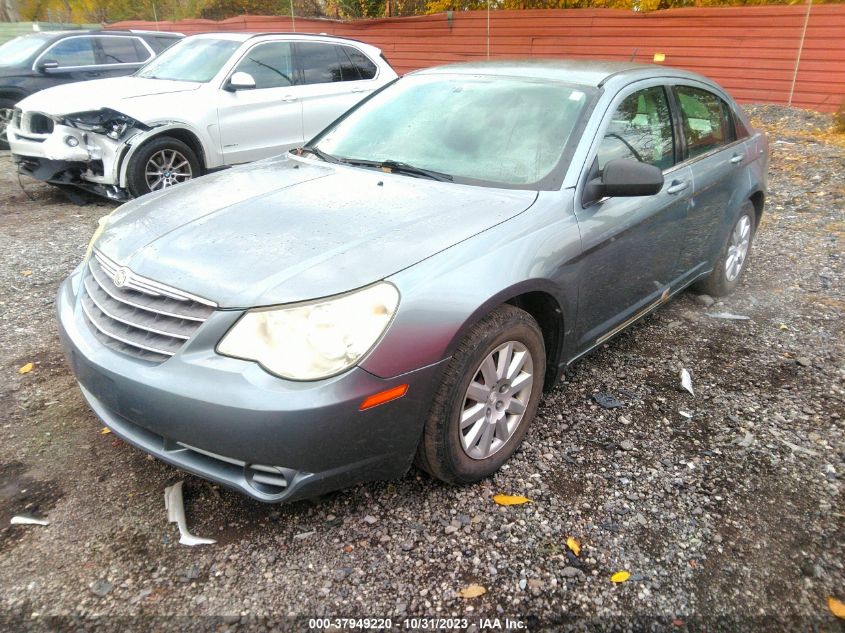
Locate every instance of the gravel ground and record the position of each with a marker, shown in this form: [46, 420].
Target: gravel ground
[732, 519]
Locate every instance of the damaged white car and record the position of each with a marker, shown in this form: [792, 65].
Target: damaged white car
[210, 101]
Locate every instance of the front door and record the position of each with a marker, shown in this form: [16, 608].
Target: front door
[631, 245]
[265, 120]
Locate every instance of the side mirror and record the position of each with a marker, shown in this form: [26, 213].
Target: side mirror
[46, 65]
[625, 177]
[240, 81]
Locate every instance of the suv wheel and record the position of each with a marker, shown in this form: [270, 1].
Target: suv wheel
[7, 109]
[489, 396]
[162, 162]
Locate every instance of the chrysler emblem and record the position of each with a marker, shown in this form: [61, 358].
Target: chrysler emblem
[121, 275]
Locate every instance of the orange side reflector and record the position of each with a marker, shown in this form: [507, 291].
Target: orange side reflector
[383, 396]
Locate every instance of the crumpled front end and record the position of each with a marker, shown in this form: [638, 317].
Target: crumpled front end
[82, 149]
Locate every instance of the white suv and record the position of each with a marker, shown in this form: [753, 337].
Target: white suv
[209, 101]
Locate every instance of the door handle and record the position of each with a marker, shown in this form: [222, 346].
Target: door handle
[677, 186]
[736, 159]
[288, 98]
[357, 90]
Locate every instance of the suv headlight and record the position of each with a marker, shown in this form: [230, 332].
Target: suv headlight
[313, 340]
[106, 121]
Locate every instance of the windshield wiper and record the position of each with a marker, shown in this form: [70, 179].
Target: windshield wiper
[392, 166]
[299, 151]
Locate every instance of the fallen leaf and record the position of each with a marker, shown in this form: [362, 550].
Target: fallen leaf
[836, 607]
[105, 430]
[510, 500]
[26, 368]
[620, 576]
[574, 545]
[783, 326]
[26, 273]
[473, 591]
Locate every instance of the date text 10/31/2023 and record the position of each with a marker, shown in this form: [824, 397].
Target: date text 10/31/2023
[417, 624]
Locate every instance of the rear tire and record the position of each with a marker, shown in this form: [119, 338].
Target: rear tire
[734, 256]
[161, 163]
[495, 405]
[7, 107]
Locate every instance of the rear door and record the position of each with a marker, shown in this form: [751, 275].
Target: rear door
[266, 120]
[631, 245]
[334, 77]
[716, 152]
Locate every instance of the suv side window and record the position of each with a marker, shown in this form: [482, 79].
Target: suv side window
[640, 128]
[121, 50]
[321, 63]
[72, 51]
[364, 66]
[270, 64]
[706, 119]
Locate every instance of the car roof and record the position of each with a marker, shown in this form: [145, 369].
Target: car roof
[584, 72]
[137, 33]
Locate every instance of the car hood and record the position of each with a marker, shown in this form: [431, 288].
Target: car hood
[284, 230]
[122, 94]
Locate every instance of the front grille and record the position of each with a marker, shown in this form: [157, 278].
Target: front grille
[138, 316]
[40, 124]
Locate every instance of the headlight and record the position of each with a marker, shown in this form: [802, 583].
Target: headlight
[109, 122]
[314, 340]
[102, 223]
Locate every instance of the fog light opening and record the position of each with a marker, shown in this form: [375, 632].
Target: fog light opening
[382, 397]
[71, 141]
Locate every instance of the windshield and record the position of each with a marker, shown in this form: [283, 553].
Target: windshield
[493, 130]
[18, 50]
[192, 59]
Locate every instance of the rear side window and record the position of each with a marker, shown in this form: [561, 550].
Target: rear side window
[270, 64]
[73, 51]
[321, 64]
[640, 129]
[364, 66]
[122, 50]
[707, 120]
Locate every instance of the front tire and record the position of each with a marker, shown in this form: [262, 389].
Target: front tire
[161, 163]
[733, 258]
[489, 395]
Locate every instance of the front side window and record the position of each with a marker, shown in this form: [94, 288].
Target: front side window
[73, 51]
[193, 59]
[640, 129]
[703, 114]
[270, 64]
[122, 50]
[495, 131]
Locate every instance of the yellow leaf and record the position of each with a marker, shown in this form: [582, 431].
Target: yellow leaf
[26, 273]
[620, 576]
[105, 430]
[510, 500]
[26, 368]
[783, 326]
[836, 607]
[473, 591]
[574, 545]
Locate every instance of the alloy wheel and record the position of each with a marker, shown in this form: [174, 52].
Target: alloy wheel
[738, 248]
[165, 168]
[496, 400]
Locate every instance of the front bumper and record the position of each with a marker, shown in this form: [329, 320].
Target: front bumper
[94, 160]
[229, 421]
